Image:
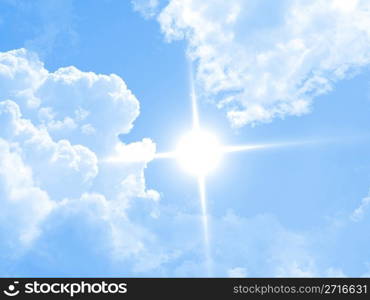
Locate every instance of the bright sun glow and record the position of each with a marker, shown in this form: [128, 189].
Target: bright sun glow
[199, 152]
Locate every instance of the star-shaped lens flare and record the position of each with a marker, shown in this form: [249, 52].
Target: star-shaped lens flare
[199, 152]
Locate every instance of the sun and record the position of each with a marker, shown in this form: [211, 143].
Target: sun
[199, 152]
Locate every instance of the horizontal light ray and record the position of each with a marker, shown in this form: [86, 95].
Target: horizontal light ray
[228, 149]
[240, 148]
[224, 149]
[203, 203]
[165, 155]
[119, 159]
[123, 159]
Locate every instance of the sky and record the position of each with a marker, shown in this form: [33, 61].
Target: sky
[85, 81]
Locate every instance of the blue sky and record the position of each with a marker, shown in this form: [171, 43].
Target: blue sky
[294, 72]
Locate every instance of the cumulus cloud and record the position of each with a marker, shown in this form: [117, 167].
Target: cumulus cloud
[56, 131]
[62, 101]
[122, 240]
[21, 73]
[23, 204]
[69, 97]
[262, 60]
[55, 164]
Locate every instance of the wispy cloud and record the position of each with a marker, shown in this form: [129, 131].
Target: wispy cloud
[237, 272]
[148, 8]
[54, 28]
[359, 213]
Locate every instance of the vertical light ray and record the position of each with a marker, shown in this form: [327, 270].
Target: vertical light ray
[204, 216]
[201, 180]
[194, 101]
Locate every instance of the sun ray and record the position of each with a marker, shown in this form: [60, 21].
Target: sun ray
[201, 178]
[162, 155]
[204, 216]
[240, 148]
[199, 152]
[250, 147]
[194, 102]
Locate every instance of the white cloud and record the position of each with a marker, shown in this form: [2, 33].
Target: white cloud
[70, 96]
[125, 240]
[264, 246]
[266, 59]
[134, 152]
[62, 101]
[148, 8]
[21, 73]
[335, 272]
[55, 164]
[294, 269]
[253, 246]
[237, 272]
[52, 26]
[367, 272]
[23, 204]
[358, 214]
[56, 130]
